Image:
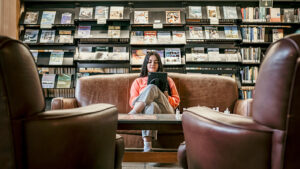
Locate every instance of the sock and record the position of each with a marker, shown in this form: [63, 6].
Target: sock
[132, 112]
[147, 146]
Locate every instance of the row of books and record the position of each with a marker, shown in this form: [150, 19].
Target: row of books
[87, 71]
[168, 56]
[157, 37]
[247, 92]
[213, 32]
[258, 34]
[50, 93]
[249, 74]
[111, 32]
[201, 54]
[57, 81]
[262, 14]
[57, 70]
[251, 55]
[47, 36]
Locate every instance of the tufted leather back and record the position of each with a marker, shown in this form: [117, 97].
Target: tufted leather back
[277, 98]
[193, 89]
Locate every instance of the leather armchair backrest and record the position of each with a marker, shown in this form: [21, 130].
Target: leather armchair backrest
[193, 89]
[276, 83]
[22, 91]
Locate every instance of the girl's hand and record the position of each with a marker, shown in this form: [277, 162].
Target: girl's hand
[166, 94]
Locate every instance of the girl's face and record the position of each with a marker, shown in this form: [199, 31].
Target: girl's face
[152, 65]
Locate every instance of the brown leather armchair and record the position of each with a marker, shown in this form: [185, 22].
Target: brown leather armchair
[268, 140]
[61, 139]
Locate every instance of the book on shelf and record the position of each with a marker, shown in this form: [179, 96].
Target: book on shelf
[211, 32]
[48, 80]
[178, 36]
[197, 55]
[230, 12]
[137, 56]
[172, 56]
[56, 58]
[288, 15]
[164, 36]
[48, 19]
[173, 17]
[31, 17]
[213, 12]
[150, 37]
[35, 54]
[47, 36]
[101, 53]
[232, 55]
[101, 14]
[195, 12]
[275, 15]
[65, 36]
[116, 12]
[114, 32]
[84, 31]
[231, 32]
[137, 37]
[64, 81]
[31, 36]
[277, 34]
[66, 18]
[86, 13]
[214, 55]
[119, 53]
[195, 32]
[119, 49]
[141, 17]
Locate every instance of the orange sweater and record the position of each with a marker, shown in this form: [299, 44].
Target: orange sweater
[140, 83]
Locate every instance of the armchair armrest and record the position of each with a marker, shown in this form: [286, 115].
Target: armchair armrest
[243, 107]
[63, 103]
[83, 137]
[218, 140]
[181, 156]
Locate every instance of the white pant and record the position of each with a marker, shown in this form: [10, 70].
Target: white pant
[155, 103]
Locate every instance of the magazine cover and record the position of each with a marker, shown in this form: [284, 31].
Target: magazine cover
[230, 12]
[65, 39]
[116, 12]
[178, 36]
[150, 37]
[195, 32]
[48, 18]
[47, 36]
[277, 34]
[288, 15]
[35, 55]
[84, 31]
[211, 32]
[31, 36]
[164, 36]
[137, 37]
[173, 17]
[66, 18]
[172, 56]
[56, 58]
[195, 12]
[231, 32]
[31, 17]
[137, 56]
[114, 31]
[86, 13]
[212, 12]
[48, 80]
[64, 81]
[101, 14]
[140, 17]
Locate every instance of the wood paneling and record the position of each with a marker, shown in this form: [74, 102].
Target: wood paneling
[9, 16]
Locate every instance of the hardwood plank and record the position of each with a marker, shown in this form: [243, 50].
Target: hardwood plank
[160, 157]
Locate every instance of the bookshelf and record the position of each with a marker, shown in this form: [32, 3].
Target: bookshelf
[106, 37]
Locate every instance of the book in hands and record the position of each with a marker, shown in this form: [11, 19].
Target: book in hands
[159, 79]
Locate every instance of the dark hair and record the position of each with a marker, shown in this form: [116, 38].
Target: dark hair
[144, 71]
